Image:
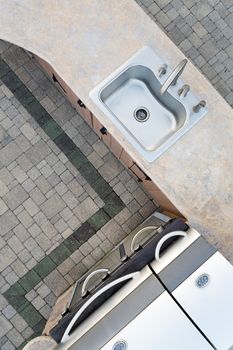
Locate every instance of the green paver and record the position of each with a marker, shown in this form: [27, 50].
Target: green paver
[30, 280]
[38, 112]
[25, 342]
[11, 81]
[4, 68]
[83, 233]
[77, 158]
[113, 204]
[24, 95]
[44, 267]
[101, 187]
[59, 254]
[65, 144]
[22, 307]
[89, 172]
[52, 129]
[38, 328]
[71, 243]
[31, 315]
[15, 295]
[99, 219]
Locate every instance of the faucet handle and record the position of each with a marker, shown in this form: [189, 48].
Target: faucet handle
[182, 92]
[162, 70]
[200, 105]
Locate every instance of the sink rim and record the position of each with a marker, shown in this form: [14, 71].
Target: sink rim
[148, 58]
[133, 132]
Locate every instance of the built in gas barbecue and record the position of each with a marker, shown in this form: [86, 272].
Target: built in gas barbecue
[164, 287]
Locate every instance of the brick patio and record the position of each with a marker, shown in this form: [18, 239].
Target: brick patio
[65, 200]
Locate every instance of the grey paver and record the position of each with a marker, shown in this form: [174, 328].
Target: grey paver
[86, 209]
[15, 197]
[9, 153]
[5, 325]
[56, 282]
[53, 206]
[7, 222]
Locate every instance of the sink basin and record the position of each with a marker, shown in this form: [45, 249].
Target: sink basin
[131, 98]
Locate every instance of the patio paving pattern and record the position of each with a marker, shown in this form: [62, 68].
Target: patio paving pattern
[65, 199]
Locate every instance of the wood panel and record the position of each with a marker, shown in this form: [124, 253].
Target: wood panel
[126, 159]
[160, 197]
[116, 148]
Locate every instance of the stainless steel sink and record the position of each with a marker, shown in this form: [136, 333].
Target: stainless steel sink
[131, 98]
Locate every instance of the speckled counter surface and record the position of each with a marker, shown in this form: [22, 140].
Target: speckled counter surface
[87, 40]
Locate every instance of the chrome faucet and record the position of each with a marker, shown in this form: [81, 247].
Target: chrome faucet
[197, 108]
[184, 90]
[172, 79]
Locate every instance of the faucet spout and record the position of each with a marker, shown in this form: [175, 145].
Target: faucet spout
[173, 77]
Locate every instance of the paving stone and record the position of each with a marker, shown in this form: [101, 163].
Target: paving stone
[73, 223]
[22, 143]
[78, 270]
[52, 206]
[15, 244]
[9, 153]
[45, 266]
[28, 131]
[88, 261]
[19, 268]
[46, 171]
[33, 173]
[38, 302]
[43, 242]
[8, 346]
[15, 197]
[21, 232]
[7, 222]
[3, 188]
[48, 229]
[37, 196]
[98, 254]
[43, 291]
[3, 207]
[3, 302]
[38, 152]
[19, 323]
[27, 333]
[86, 209]
[9, 312]
[15, 337]
[29, 280]
[31, 207]
[56, 282]
[111, 168]
[25, 219]
[113, 204]
[99, 219]
[53, 179]
[38, 253]
[95, 159]
[106, 246]
[31, 315]
[5, 326]
[19, 174]
[6, 178]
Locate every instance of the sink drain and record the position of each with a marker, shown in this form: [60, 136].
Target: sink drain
[141, 114]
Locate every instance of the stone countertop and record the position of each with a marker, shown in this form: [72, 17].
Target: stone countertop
[87, 40]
